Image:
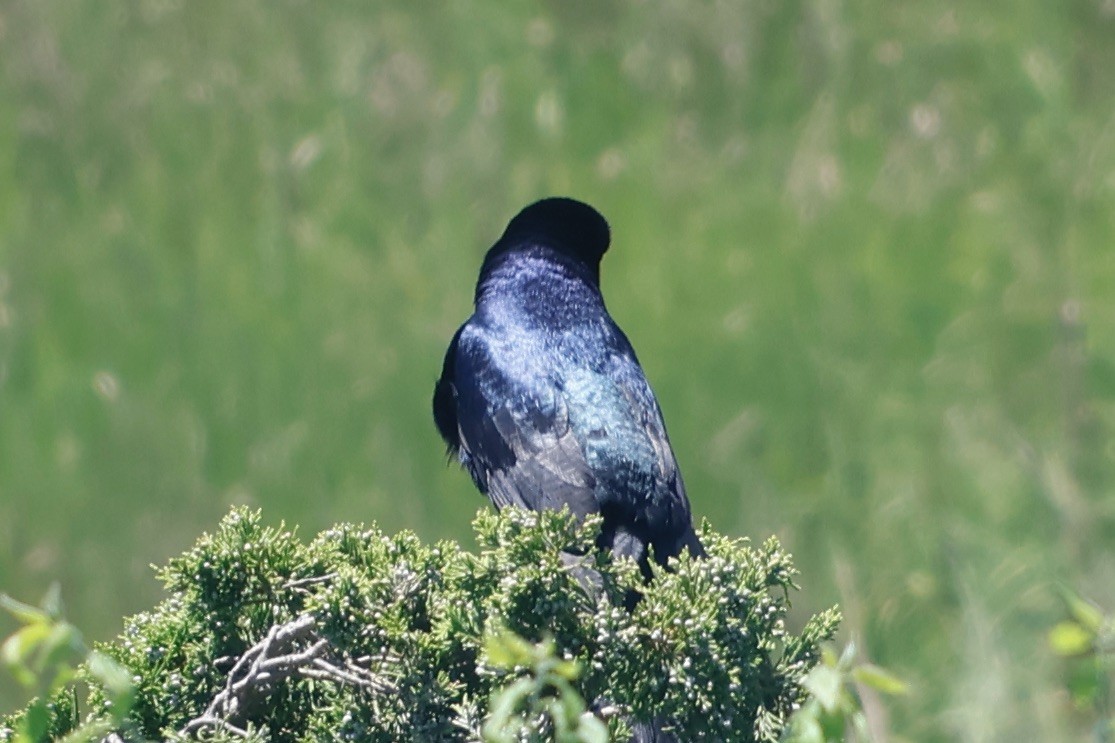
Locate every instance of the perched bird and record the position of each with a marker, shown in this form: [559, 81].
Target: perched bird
[543, 400]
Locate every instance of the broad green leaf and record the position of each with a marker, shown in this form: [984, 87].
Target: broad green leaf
[834, 725]
[507, 700]
[21, 647]
[807, 728]
[591, 729]
[36, 721]
[25, 613]
[23, 675]
[1069, 638]
[847, 657]
[571, 703]
[61, 647]
[566, 669]
[116, 679]
[52, 601]
[824, 683]
[1086, 614]
[1084, 684]
[507, 650]
[879, 679]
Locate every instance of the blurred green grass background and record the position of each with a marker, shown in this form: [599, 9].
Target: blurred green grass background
[866, 252]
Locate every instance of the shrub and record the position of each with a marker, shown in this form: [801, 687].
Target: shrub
[360, 635]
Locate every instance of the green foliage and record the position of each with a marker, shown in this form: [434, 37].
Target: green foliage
[833, 711]
[45, 656]
[1085, 640]
[365, 636]
[542, 705]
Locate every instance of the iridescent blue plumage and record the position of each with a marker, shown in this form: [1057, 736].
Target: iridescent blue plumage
[543, 399]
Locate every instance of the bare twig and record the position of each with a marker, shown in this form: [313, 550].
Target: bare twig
[311, 581]
[288, 650]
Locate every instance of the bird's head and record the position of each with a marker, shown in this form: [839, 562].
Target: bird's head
[566, 225]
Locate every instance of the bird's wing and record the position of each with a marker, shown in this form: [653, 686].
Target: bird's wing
[669, 504]
[514, 427]
[644, 408]
[445, 398]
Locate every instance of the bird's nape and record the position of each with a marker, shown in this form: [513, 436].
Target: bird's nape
[567, 224]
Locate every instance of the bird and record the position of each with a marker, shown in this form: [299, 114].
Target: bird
[543, 401]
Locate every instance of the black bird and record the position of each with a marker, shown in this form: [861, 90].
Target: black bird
[543, 400]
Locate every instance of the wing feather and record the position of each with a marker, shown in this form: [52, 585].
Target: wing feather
[516, 432]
